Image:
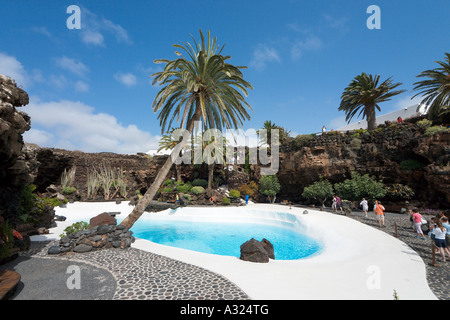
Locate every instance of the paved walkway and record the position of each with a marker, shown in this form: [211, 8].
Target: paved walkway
[128, 274]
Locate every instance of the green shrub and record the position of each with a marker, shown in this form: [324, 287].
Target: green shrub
[411, 164]
[75, 227]
[183, 187]
[6, 235]
[27, 200]
[399, 192]
[168, 182]
[166, 190]
[431, 131]
[197, 190]
[234, 194]
[424, 123]
[68, 190]
[319, 190]
[302, 139]
[269, 186]
[360, 186]
[226, 201]
[200, 183]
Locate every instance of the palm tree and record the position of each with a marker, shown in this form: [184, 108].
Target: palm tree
[436, 89]
[200, 86]
[168, 142]
[364, 94]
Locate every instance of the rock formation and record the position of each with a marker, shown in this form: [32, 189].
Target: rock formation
[15, 166]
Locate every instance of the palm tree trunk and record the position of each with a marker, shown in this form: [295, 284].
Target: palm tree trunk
[210, 176]
[178, 169]
[371, 117]
[139, 209]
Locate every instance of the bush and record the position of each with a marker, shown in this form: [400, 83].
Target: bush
[183, 188]
[234, 194]
[197, 190]
[167, 190]
[360, 186]
[399, 192]
[431, 131]
[75, 227]
[68, 190]
[226, 201]
[6, 246]
[200, 183]
[302, 139]
[319, 190]
[269, 186]
[424, 123]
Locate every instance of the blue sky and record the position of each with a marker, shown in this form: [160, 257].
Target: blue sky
[90, 89]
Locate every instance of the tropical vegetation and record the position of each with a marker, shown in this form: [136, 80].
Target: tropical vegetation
[201, 86]
[363, 96]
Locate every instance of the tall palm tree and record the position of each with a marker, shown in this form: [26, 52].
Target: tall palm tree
[364, 94]
[168, 142]
[201, 85]
[436, 89]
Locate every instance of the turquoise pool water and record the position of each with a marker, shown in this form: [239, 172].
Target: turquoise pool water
[225, 238]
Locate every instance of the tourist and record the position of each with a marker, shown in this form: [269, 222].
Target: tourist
[334, 204]
[324, 130]
[379, 211]
[417, 218]
[446, 225]
[439, 239]
[441, 215]
[399, 120]
[365, 206]
[338, 204]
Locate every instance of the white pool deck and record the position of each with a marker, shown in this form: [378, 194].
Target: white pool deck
[358, 263]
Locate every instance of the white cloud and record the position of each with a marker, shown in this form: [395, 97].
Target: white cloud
[262, 55]
[300, 46]
[11, 67]
[81, 86]
[92, 37]
[127, 79]
[75, 125]
[42, 31]
[94, 26]
[72, 65]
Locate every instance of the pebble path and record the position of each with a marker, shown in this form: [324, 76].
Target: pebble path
[142, 275]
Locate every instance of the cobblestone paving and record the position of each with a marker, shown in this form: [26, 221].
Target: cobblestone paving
[438, 277]
[143, 275]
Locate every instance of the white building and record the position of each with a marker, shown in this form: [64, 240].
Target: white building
[404, 113]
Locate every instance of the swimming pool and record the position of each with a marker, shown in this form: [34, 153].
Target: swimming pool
[222, 232]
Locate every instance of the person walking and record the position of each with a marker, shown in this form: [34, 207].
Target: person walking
[365, 206]
[334, 204]
[446, 225]
[439, 239]
[417, 219]
[379, 211]
[338, 204]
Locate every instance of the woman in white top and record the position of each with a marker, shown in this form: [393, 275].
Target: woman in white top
[365, 206]
[439, 239]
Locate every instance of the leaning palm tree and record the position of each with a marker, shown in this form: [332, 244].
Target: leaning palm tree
[203, 86]
[436, 89]
[364, 94]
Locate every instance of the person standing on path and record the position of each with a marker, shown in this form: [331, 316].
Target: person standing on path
[439, 239]
[334, 204]
[379, 211]
[417, 218]
[365, 206]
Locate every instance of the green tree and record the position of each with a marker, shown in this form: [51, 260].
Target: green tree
[364, 94]
[435, 90]
[269, 187]
[168, 142]
[360, 186]
[201, 85]
[319, 190]
[283, 134]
